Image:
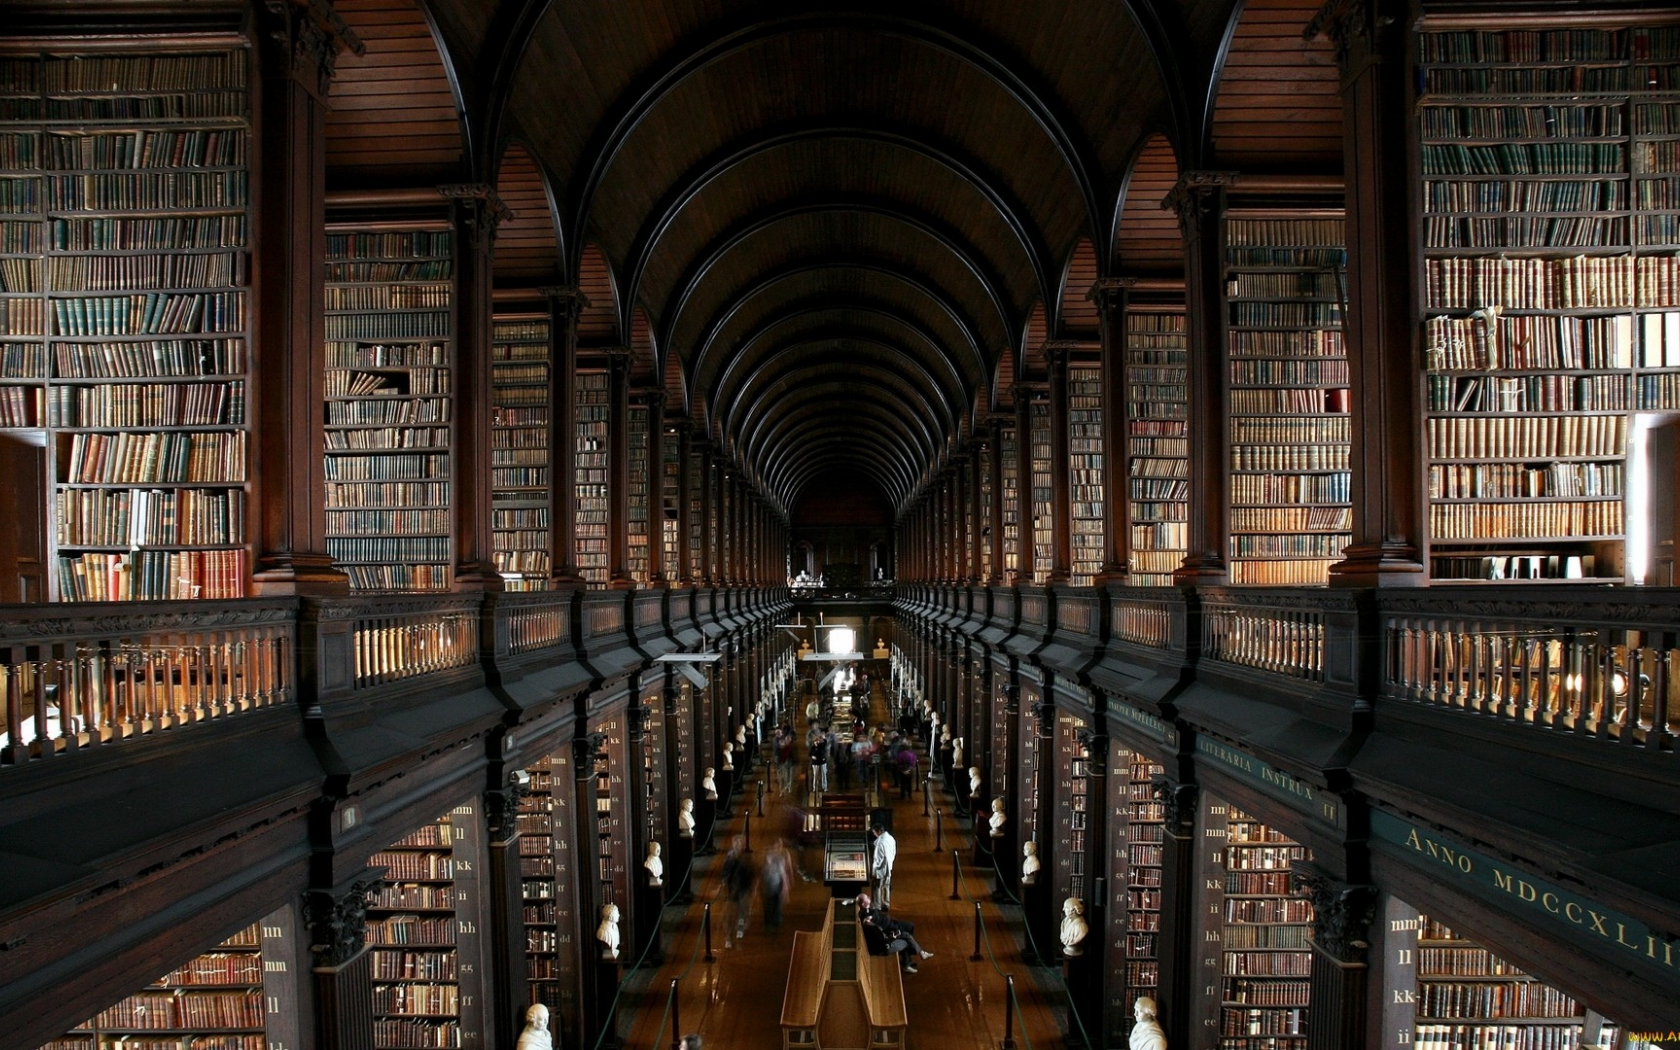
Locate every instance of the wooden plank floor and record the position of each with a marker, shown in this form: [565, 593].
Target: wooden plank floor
[735, 1002]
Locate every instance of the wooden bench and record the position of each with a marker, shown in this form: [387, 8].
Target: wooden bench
[839, 997]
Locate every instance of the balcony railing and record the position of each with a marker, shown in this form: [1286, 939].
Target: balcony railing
[1602, 668]
[1266, 631]
[94, 675]
[402, 638]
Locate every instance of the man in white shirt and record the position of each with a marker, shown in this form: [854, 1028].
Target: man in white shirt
[886, 852]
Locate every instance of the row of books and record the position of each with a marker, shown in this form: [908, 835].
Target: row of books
[1271, 909]
[1313, 342]
[1328, 545]
[1279, 488]
[1575, 282]
[387, 355]
[394, 324]
[416, 494]
[151, 575]
[152, 457]
[201, 1010]
[137, 73]
[1525, 158]
[1273, 372]
[149, 517]
[145, 191]
[414, 966]
[1494, 999]
[148, 313]
[1288, 400]
[1458, 481]
[1527, 437]
[115, 273]
[404, 865]
[1291, 519]
[398, 577]
[1289, 457]
[1528, 232]
[1267, 933]
[374, 549]
[135, 359]
[147, 405]
[1585, 518]
[1243, 992]
[428, 522]
[364, 297]
[1496, 1037]
[416, 999]
[1555, 80]
[407, 466]
[1515, 121]
[1276, 1021]
[1509, 195]
[1546, 392]
[209, 106]
[388, 411]
[212, 147]
[378, 438]
[132, 233]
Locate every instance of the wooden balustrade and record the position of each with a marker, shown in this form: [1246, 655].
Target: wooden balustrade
[1141, 616]
[1607, 668]
[398, 639]
[1266, 631]
[540, 621]
[100, 674]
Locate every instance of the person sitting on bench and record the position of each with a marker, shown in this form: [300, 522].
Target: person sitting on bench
[885, 936]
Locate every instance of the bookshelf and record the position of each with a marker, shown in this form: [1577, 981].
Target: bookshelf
[1008, 448]
[519, 456]
[591, 467]
[124, 312]
[1468, 996]
[697, 482]
[1073, 804]
[389, 359]
[1550, 194]
[1157, 385]
[538, 886]
[1043, 490]
[1290, 487]
[670, 503]
[1267, 964]
[612, 847]
[423, 937]
[988, 542]
[215, 1000]
[638, 521]
[1085, 459]
[1145, 822]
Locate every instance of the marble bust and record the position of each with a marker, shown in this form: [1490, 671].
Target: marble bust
[1074, 927]
[606, 934]
[728, 756]
[685, 819]
[974, 782]
[654, 867]
[998, 818]
[1147, 1033]
[709, 785]
[1030, 863]
[535, 1035]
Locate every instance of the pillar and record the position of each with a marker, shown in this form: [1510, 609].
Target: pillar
[994, 463]
[658, 573]
[508, 975]
[618, 470]
[976, 510]
[301, 46]
[1199, 200]
[708, 543]
[565, 306]
[1112, 296]
[1176, 944]
[1388, 528]
[336, 918]
[1342, 917]
[1061, 493]
[477, 211]
[683, 571]
[1025, 556]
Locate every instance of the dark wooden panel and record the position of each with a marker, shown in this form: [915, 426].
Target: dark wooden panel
[400, 83]
[598, 326]
[1278, 104]
[526, 245]
[1079, 314]
[1147, 240]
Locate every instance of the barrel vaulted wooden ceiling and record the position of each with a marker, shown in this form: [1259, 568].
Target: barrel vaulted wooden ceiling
[831, 228]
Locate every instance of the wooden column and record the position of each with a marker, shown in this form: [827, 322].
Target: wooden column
[336, 919]
[977, 509]
[477, 211]
[961, 549]
[1342, 917]
[1388, 525]
[1025, 558]
[1112, 295]
[1199, 200]
[565, 306]
[1061, 491]
[301, 45]
[708, 543]
[728, 537]
[1177, 945]
[509, 980]
[994, 463]
[658, 573]
[683, 571]
[618, 470]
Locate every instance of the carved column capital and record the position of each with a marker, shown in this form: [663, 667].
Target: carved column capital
[338, 921]
[479, 209]
[567, 301]
[584, 750]
[1358, 29]
[1195, 198]
[502, 804]
[303, 39]
[1178, 804]
[1342, 915]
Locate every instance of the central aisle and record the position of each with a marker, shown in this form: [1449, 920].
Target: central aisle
[735, 1002]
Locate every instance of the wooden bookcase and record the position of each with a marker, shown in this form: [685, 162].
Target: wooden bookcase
[1138, 887]
[1264, 959]
[519, 456]
[639, 522]
[390, 358]
[1290, 488]
[425, 933]
[1085, 466]
[1008, 448]
[227, 999]
[1043, 489]
[697, 481]
[988, 542]
[539, 889]
[592, 484]
[1157, 385]
[124, 311]
[1468, 996]
[670, 503]
[1549, 186]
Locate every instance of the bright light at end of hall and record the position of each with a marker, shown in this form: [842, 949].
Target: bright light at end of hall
[842, 640]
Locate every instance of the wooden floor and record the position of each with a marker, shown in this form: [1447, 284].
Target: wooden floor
[735, 1002]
